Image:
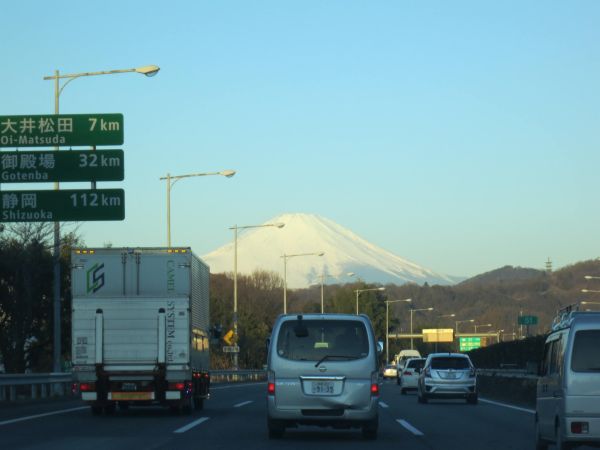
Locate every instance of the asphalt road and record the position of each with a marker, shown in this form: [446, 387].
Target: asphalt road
[235, 417]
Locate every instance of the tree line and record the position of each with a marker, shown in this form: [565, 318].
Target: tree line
[26, 303]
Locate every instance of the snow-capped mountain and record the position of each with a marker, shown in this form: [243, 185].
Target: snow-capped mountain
[344, 252]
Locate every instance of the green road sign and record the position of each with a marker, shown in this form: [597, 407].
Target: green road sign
[61, 206]
[64, 129]
[71, 165]
[528, 320]
[469, 343]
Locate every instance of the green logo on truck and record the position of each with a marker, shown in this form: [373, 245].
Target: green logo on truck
[95, 278]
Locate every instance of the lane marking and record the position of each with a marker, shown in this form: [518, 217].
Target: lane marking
[518, 408]
[383, 405]
[409, 427]
[191, 425]
[238, 385]
[62, 411]
[239, 405]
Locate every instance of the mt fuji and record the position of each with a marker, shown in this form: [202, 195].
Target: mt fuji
[343, 252]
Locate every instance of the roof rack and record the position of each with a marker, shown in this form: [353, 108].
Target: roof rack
[564, 316]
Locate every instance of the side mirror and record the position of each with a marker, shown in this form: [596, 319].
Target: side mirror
[268, 343]
[379, 347]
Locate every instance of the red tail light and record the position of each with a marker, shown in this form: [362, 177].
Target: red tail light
[374, 390]
[579, 427]
[177, 386]
[407, 372]
[271, 388]
[86, 387]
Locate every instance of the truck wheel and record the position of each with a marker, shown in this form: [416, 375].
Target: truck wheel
[123, 406]
[188, 408]
[110, 408]
[199, 403]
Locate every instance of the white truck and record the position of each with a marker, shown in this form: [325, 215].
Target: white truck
[140, 328]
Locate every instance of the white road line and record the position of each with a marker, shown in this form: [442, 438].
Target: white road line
[189, 426]
[62, 411]
[383, 405]
[518, 408]
[239, 405]
[409, 427]
[237, 385]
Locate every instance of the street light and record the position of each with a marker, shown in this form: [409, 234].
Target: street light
[358, 291]
[482, 325]
[461, 321]
[411, 322]
[285, 258]
[387, 326]
[235, 229]
[146, 70]
[172, 179]
[322, 277]
[589, 303]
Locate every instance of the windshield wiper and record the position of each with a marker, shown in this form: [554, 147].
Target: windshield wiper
[335, 356]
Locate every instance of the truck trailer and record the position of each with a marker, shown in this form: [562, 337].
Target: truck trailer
[140, 328]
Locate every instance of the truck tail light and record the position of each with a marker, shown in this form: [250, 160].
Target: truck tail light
[580, 428]
[87, 387]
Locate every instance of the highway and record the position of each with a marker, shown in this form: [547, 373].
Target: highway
[235, 418]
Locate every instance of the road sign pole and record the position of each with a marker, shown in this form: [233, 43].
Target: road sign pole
[56, 294]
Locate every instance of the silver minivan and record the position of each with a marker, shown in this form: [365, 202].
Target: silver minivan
[568, 387]
[323, 370]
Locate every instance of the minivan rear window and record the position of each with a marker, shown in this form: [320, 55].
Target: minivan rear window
[586, 357]
[341, 339]
[442, 363]
[415, 364]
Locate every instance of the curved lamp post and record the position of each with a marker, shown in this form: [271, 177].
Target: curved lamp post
[387, 326]
[235, 229]
[145, 70]
[285, 258]
[172, 179]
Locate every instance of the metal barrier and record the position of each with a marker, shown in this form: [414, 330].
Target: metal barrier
[42, 385]
[507, 373]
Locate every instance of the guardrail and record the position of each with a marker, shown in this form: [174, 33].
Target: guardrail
[507, 373]
[42, 385]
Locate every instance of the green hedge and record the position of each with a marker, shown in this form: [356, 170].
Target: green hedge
[521, 354]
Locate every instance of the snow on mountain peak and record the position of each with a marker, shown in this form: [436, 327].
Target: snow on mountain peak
[344, 251]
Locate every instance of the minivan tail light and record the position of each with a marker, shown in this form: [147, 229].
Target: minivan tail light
[374, 384]
[271, 382]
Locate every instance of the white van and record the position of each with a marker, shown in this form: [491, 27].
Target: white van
[322, 370]
[568, 388]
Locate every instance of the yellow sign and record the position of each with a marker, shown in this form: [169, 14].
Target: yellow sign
[132, 395]
[438, 335]
[228, 337]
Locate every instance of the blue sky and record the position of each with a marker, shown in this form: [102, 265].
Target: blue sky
[460, 135]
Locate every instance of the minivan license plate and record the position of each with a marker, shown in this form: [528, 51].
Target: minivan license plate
[322, 387]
